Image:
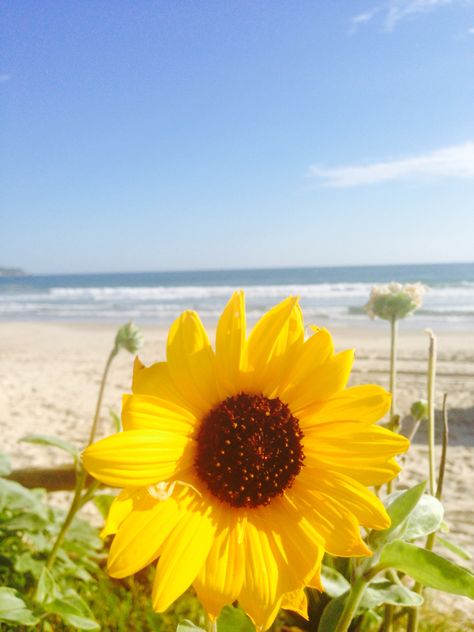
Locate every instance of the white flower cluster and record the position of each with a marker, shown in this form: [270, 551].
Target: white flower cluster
[395, 300]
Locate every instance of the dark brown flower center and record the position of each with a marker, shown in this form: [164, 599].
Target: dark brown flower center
[249, 450]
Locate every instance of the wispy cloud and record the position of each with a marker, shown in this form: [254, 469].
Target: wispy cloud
[471, 30]
[394, 11]
[456, 161]
[4, 77]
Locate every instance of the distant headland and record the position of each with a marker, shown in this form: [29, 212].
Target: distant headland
[11, 272]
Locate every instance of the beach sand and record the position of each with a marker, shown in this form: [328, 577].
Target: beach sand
[50, 375]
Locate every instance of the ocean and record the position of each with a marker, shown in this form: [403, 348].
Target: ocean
[329, 295]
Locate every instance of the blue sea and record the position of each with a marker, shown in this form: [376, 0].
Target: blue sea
[333, 295]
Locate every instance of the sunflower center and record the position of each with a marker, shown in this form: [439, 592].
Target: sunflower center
[249, 450]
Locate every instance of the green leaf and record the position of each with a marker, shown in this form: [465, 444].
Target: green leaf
[188, 626]
[47, 590]
[5, 464]
[116, 420]
[26, 563]
[428, 568]
[18, 498]
[103, 502]
[332, 613]
[56, 442]
[234, 620]
[380, 592]
[334, 583]
[24, 522]
[399, 506]
[74, 611]
[454, 548]
[14, 610]
[425, 518]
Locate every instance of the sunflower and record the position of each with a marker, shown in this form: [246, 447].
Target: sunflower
[241, 466]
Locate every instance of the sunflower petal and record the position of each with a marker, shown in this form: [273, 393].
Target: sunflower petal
[191, 362]
[120, 508]
[259, 596]
[324, 381]
[296, 601]
[220, 580]
[273, 345]
[137, 457]
[144, 412]
[183, 554]
[141, 535]
[366, 507]
[365, 404]
[317, 350]
[328, 520]
[231, 336]
[155, 380]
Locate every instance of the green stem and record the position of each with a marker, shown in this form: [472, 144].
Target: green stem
[393, 365]
[393, 379]
[354, 598]
[444, 449]
[78, 499]
[98, 405]
[431, 412]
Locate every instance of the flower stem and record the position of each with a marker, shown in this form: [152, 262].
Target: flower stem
[98, 406]
[78, 499]
[393, 365]
[431, 412]
[354, 597]
[444, 449]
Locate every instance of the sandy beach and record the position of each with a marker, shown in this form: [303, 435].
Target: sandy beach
[50, 374]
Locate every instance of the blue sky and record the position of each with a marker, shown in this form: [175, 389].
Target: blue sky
[179, 135]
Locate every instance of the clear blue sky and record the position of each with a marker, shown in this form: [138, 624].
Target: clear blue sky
[152, 135]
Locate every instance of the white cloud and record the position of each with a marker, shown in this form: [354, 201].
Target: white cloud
[394, 11]
[456, 161]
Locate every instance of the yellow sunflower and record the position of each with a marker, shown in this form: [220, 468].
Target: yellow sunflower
[242, 466]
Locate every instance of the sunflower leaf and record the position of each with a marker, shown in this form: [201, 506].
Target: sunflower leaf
[334, 583]
[56, 442]
[428, 568]
[234, 620]
[13, 609]
[332, 613]
[399, 506]
[425, 518]
[188, 626]
[454, 548]
[5, 464]
[380, 592]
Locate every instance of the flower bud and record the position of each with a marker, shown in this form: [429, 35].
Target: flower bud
[419, 410]
[129, 337]
[395, 301]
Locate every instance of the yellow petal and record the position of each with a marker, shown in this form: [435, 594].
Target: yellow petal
[366, 507]
[231, 344]
[317, 350]
[326, 380]
[141, 535]
[220, 580]
[183, 554]
[120, 508]
[156, 381]
[143, 412]
[329, 521]
[295, 551]
[137, 458]
[348, 439]
[191, 362]
[259, 595]
[273, 345]
[365, 404]
[296, 601]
